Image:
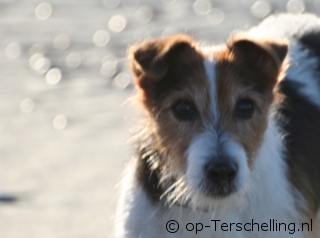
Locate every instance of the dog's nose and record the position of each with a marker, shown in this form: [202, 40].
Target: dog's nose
[221, 173]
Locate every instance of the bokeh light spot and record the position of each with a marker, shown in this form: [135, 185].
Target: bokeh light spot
[109, 66]
[101, 37]
[122, 80]
[261, 9]
[37, 48]
[295, 6]
[43, 11]
[202, 7]
[34, 58]
[61, 42]
[111, 3]
[27, 105]
[73, 60]
[39, 63]
[12, 50]
[144, 14]
[215, 16]
[59, 122]
[53, 76]
[117, 23]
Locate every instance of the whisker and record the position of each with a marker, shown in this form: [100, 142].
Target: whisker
[164, 177]
[178, 196]
[171, 188]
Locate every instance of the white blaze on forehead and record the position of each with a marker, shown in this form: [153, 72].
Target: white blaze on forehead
[210, 68]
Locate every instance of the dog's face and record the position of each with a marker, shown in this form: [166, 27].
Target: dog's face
[208, 109]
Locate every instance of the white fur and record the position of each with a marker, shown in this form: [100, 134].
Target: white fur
[302, 71]
[270, 196]
[210, 69]
[285, 26]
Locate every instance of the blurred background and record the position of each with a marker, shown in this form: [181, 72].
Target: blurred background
[64, 81]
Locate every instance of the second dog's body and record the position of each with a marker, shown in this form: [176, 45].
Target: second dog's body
[231, 144]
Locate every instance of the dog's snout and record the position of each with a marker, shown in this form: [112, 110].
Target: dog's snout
[221, 173]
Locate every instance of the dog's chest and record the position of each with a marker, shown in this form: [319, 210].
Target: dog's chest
[147, 220]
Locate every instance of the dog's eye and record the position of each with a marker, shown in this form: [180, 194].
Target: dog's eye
[244, 108]
[184, 110]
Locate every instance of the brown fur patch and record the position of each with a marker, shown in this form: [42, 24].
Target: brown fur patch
[248, 69]
[169, 70]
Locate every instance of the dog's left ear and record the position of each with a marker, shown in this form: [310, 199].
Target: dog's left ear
[267, 55]
[151, 60]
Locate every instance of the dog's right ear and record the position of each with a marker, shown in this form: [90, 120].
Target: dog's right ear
[150, 60]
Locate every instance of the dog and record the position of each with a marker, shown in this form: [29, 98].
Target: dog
[230, 144]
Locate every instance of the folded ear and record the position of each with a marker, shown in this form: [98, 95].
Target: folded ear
[268, 55]
[150, 60]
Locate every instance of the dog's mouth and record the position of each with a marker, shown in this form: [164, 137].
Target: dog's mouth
[218, 190]
[220, 180]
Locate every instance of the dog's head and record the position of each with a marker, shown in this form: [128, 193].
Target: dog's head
[208, 109]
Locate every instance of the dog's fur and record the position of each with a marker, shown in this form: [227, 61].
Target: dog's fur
[231, 132]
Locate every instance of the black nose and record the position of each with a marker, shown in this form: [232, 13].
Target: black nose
[221, 173]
